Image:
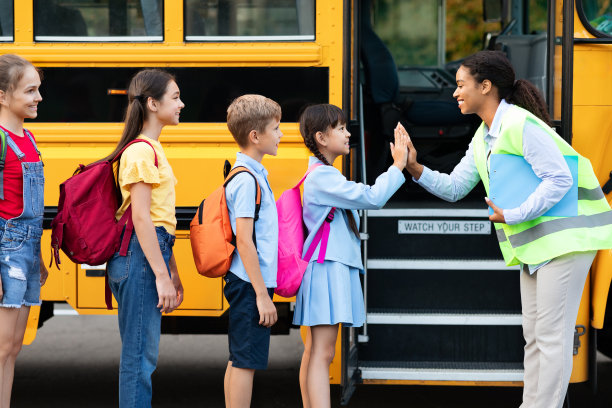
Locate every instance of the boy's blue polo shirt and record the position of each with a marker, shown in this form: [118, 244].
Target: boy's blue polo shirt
[240, 197]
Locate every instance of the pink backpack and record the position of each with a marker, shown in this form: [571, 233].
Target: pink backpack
[291, 265]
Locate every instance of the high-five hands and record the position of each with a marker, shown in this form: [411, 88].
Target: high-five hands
[498, 213]
[412, 165]
[399, 149]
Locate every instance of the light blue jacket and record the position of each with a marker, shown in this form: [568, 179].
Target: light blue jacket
[324, 188]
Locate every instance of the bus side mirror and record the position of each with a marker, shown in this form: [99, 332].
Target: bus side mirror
[492, 10]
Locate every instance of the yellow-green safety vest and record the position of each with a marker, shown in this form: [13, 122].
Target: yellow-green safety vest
[544, 238]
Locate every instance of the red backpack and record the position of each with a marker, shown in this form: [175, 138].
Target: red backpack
[85, 227]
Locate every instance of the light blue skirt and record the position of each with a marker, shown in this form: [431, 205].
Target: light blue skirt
[330, 293]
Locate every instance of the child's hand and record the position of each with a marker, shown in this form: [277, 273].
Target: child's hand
[44, 274]
[399, 149]
[178, 286]
[166, 293]
[267, 310]
[412, 165]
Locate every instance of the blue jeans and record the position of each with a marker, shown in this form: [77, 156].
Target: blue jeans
[132, 282]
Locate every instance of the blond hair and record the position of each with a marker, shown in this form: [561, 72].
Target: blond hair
[250, 112]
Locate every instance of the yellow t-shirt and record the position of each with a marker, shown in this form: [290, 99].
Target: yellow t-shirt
[137, 164]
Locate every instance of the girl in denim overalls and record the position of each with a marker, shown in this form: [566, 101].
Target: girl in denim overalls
[146, 281]
[21, 213]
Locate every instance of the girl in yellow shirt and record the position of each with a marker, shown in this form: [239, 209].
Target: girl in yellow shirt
[146, 282]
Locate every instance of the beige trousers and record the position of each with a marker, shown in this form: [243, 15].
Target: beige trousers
[550, 300]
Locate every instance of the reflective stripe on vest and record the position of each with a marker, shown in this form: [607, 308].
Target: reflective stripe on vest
[545, 238]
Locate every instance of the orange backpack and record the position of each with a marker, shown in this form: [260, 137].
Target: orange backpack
[212, 239]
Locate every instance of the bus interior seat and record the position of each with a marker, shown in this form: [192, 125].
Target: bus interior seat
[528, 54]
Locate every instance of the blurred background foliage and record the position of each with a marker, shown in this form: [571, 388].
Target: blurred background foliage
[409, 28]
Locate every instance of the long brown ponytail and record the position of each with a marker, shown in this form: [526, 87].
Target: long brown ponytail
[322, 118]
[148, 83]
[494, 66]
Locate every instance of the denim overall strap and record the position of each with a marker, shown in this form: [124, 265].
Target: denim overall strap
[33, 189]
[20, 155]
[3, 144]
[33, 143]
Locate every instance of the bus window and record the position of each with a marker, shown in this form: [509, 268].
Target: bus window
[538, 10]
[466, 28]
[241, 20]
[598, 16]
[410, 30]
[6, 20]
[83, 94]
[98, 20]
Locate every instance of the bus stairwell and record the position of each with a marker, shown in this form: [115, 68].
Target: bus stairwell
[441, 306]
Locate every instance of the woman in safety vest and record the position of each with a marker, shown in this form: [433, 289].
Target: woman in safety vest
[554, 252]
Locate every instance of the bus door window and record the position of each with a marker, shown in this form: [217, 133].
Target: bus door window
[241, 20]
[403, 55]
[6, 20]
[98, 20]
[596, 15]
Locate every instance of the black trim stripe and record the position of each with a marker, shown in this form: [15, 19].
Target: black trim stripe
[567, 71]
[184, 215]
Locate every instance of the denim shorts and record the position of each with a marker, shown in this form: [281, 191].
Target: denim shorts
[249, 342]
[19, 263]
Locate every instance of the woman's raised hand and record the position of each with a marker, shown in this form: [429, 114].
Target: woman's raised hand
[412, 165]
[399, 149]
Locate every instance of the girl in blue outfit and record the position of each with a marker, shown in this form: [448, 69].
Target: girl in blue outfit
[330, 292]
[21, 212]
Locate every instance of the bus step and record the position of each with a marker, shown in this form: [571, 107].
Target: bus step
[440, 371]
[440, 319]
[440, 264]
[429, 212]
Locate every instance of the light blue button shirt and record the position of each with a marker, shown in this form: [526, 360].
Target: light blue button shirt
[539, 150]
[240, 197]
[326, 187]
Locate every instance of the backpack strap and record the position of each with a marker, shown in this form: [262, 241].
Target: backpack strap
[241, 169]
[230, 176]
[3, 137]
[310, 169]
[127, 215]
[5, 140]
[126, 219]
[322, 236]
[118, 155]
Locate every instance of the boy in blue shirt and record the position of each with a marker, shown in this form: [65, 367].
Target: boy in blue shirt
[253, 121]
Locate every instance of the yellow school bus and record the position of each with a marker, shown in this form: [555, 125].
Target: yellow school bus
[89, 50]
[441, 308]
